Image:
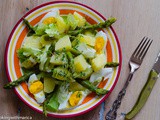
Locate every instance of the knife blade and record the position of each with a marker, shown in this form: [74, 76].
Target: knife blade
[156, 65]
[146, 90]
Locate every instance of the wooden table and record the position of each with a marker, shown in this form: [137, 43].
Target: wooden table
[136, 19]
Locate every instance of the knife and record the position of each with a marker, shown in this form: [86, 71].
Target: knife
[145, 92]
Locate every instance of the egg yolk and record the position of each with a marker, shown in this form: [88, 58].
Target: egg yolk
[75, 98]
[49, 20]
[99, 44]
[36, 87]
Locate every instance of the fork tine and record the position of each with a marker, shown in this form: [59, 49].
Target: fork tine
[147, 47]
[134, 53]
[143, 47]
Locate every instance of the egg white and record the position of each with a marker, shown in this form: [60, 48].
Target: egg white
[53, 13]
[103, 73]
[40, 96]
[101, 34]
[84, 94]
[104, 36]
[66, 106]
[86, 50]
[32, 79]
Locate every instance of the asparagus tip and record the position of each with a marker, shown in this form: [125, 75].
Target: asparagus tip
[112, 19]
[100, 91]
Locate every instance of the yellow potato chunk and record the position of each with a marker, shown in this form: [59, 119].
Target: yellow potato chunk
[61, 25]
[59, 59]
[63, 43]
[98, 62]
[49, 85]
[32, 42]
[75, 86]
[89, 40]
[81, 20]
[80, 63]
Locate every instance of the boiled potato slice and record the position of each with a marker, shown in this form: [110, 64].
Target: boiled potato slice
[29, 63]
[61, 73]
[89, 40]
[81, 20]
[80, 63]
[32, 42]
[98, 62]
[45, 40]
[49, 84]
[59, 59]
[74, 86]
[61, 25]
[90, 33]
[63, 43]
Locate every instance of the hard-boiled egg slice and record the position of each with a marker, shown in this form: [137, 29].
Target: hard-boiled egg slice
[40, 97]
[84, 94]
[96, 77]
[32, 78]
[50, 17]
[65, 105]
[76, 98]
[73, 100]
[35, 87]
[100, 43]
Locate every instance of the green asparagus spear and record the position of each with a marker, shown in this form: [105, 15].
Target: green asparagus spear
[18, 81]
[63, 74]
[44, 107]
[60, 73]
[28, 24]
[71, 61]
[84, 74]
[48, 97]
[91, 87]
[70, 57]
[104, 24]
[30, 27]
[112, 64]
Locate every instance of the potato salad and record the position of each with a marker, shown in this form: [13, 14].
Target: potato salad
[63, 59]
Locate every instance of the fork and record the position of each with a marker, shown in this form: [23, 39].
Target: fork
[134, 63]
